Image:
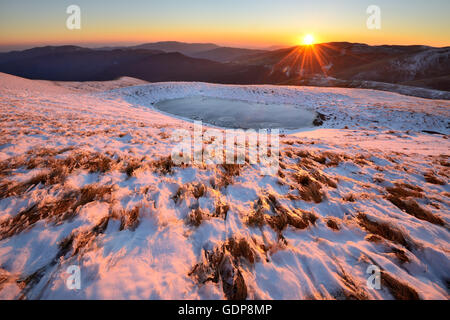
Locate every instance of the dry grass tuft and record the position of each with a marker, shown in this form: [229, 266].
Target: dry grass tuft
[219, 265]
[401, 196]
[297, 218]
[373, 238]
[130, 219]
[400, 254]
[28, 282]
[301, 219]
[444, 163]
[59, 169]
[93, 162]
[306, 163]
[319, 158]
[405, 190]
[278, 223]
[233, 283]
[411, 207]
[180, 194]
[361, 160]
[7, 278]
[231, 169]
[303, 178]
[221, 210]
[227, 174]
[351, 290]
[323, 178]
[55, 211]
[208, 269]
[288, 153]
[431, 178]
[256, 219]
[131, 167]
[333, 224]
[80, 242]
[57, 175]
[199, 190]
[408, 186]
[323, 158]
[334, 159]
[196, 216]
[309, 188]
[378, 177]
[93, 192]
[399, 289]
[164, 165]
[240, 248]
[385, 231]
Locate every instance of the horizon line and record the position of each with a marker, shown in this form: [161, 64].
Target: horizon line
[88, 45]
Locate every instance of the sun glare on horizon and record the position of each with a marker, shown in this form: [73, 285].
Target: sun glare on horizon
[308, 40]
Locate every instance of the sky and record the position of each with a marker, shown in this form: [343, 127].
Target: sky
[240, 23]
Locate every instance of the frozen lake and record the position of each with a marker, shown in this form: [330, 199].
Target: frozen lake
[239, 114]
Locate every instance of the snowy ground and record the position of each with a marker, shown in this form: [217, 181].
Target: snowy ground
[86, 179]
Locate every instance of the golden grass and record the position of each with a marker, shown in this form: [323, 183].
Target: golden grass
[384, 230]
[296, 218]
[373, 238]
[223, 264]
[399, 289]
[130, 219]
[400, 254]
[81, 242]
[405, 190]
[56, 211]
[411, 207]
[196, 216]
[164, 165]
[351, 289]
[132, 166]
[240, 248]
[323, 178]
[59, 169]
[256, 219]
[221, 210]
[227, 174]
[432, 178]
[199, 190]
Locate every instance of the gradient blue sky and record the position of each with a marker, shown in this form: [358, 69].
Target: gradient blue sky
[251, 23]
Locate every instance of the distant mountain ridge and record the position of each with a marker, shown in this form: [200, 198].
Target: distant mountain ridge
[335, 63]
[175, 46]
[208, 51]
[72, 63]
[423, 66]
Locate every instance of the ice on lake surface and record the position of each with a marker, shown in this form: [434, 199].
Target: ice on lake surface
[230, 113]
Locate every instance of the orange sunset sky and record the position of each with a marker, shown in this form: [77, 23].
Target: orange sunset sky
[244, 23]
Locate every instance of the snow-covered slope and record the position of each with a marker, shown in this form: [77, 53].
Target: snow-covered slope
[85, 179]
[431, 62]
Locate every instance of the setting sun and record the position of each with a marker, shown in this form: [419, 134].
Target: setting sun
[308, 39]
